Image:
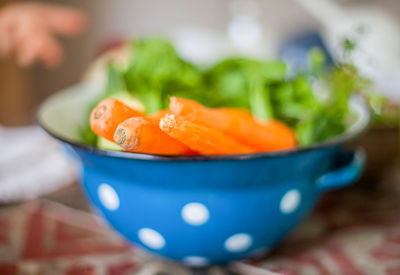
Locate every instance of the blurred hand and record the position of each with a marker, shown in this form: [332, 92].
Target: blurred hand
[28, 31]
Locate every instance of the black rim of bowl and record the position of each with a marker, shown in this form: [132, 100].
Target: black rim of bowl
[336, 141]
[141, 156]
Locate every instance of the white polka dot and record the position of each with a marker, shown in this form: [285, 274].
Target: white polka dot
[196, 261]
[290, 201]
[151, 238]
[195, 213]
[108, 196]
[238, 242]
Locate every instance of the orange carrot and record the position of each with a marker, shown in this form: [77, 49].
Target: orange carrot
[106, 116]
[205, 140]
[159, 115]
[142, 135]
[240, 124]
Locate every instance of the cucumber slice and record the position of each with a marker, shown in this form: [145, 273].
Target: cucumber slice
[105, 144]
[129, 100]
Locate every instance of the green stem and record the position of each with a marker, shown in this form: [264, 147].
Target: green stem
[260, 101]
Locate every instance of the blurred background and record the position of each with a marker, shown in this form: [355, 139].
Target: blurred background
[21, 90]
[202, 30]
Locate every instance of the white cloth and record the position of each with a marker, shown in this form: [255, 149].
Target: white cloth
[31, 164]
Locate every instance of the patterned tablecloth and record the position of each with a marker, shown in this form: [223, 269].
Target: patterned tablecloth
[352, 231]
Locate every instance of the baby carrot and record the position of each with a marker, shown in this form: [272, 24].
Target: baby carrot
[204, 140]
[142, 135]
[240, 124]
[106, 116]
[269, 135]
[159, 115]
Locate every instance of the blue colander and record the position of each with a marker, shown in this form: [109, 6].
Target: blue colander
[203, 209]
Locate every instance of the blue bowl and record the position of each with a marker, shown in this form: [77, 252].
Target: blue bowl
[203, 209]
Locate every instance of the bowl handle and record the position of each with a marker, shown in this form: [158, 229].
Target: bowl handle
[348, 169]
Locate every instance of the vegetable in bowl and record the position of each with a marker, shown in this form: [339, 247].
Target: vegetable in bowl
[315, 103]
[188, 128]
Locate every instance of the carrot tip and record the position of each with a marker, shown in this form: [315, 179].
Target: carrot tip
[99, 111]
[168, 122]
[124, 139]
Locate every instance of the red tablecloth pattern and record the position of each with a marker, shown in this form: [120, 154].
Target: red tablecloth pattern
[47, 238]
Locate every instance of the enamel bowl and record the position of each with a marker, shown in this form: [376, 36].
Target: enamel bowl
[203, 209]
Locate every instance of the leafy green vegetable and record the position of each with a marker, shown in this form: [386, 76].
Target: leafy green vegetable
[321, 124]
[383, 110]
[327, 118]
[349, 45]
[87, 135]
[294, 100]
[157, 73]
[115, 82]
[245, 83]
